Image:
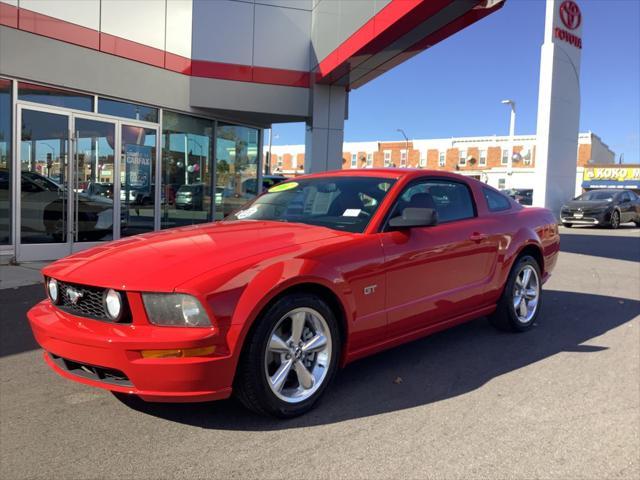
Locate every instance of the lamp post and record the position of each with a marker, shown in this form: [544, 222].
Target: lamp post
[512, 133]
[406, 143]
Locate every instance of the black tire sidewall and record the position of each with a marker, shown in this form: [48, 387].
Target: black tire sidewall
[613, 225]
[255, 353]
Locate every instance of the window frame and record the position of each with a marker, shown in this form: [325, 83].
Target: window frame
[462, 158]
[482, 160]
[403, 157]
[384, 226]
[442, 158]
[387, 157]
[502, 158]
[354, 160]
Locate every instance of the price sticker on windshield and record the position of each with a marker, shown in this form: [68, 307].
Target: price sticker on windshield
[283, 187]
[246, 213]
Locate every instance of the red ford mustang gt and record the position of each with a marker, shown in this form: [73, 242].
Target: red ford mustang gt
[311, 275]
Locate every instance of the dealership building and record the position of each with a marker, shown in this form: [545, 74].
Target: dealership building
[485, 158]
[150, 112]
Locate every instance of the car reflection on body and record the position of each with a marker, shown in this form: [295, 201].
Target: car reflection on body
[605, 207]
[309, 276]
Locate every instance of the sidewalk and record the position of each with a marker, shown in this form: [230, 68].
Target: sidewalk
[14, 276]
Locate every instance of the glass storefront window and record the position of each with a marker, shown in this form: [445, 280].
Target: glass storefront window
[236, 167]
[127, 110]
[186, 169]
[43, 189]
[137, 185]
[53, 96]
[5, 161]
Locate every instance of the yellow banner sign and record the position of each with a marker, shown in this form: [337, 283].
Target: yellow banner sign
[619, 174]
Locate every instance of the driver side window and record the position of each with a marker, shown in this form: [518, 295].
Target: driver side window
[451, 200]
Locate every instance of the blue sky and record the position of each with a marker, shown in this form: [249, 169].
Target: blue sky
[455, 88]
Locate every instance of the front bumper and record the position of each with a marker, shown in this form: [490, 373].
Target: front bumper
[599, 218]
[83, 350]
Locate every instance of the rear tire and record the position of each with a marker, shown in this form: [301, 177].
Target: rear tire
[568, 225]
[276, 374]
[519, 306]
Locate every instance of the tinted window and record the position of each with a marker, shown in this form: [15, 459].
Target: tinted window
[452, 200]
[127, 110]
[625, 197]
[596, 195]
[53, 96]
[496, 202]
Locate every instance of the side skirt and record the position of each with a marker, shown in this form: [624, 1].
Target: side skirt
[416, 334]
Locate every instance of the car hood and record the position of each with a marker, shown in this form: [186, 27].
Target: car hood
[587, 204]
[161, 261]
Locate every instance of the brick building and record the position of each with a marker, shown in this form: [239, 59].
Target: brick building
[485, 158]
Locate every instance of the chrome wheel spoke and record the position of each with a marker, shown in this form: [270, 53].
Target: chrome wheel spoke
[297, 326]
[526, 278]
[315, 344]
[516, 301]
[523, 307]
[277, 344]
[305, 378]
[530, 293]
[278, 378]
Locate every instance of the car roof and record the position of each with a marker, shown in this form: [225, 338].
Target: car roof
[393, 173]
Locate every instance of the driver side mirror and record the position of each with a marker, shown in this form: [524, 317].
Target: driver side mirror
[415, 217]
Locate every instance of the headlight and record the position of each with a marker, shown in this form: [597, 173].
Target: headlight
[113, 304]
[175, 309]
[52, 288]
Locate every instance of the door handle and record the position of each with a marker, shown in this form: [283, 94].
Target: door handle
[478, 237]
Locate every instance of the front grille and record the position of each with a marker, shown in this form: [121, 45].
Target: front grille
[92, 372]
[90, 303]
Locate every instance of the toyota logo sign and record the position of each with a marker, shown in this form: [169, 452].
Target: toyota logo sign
[570, 14]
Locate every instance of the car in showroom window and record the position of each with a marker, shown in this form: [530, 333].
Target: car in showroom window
[313, 274]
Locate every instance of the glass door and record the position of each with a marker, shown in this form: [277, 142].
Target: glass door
[74, 190]
[137, 175]
[93, 181]
[42, 184]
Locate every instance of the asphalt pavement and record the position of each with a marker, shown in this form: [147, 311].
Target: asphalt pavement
[561, 401]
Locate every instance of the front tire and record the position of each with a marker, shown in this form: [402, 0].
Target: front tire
[290, 357]
[568, 225]
[614, 223]
[520, 303]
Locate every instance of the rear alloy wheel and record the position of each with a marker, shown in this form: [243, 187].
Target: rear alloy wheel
[614, 223]
[290, 358]
[519, 305]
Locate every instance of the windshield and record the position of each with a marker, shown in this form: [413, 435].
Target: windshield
[596, 195]
[340, 203]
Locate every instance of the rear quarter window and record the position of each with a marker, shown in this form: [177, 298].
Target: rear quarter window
[496, 202]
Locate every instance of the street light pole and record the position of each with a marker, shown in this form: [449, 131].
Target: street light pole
[406, 146]
[512, 133]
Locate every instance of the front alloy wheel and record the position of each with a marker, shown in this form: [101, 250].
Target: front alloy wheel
[615, 220]
[297, 358]
[290, 356]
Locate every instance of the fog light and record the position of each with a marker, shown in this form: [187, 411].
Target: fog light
[52, 288]
[179, 352]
